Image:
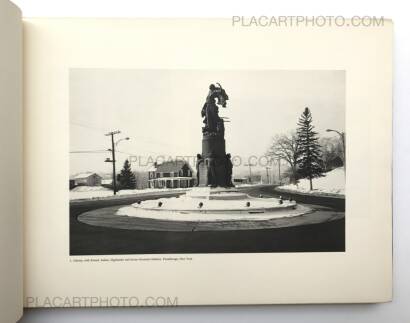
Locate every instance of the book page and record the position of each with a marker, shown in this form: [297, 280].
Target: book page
[107, 223]
[11, 207]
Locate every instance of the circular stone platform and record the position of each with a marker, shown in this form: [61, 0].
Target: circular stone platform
[208, 209]
[108, 217]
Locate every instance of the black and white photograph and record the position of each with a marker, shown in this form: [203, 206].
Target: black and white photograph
[203, 161]
[169, 161]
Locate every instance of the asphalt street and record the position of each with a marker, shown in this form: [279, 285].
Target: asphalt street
[96, 240]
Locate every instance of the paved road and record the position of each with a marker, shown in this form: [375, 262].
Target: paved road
[93, 240]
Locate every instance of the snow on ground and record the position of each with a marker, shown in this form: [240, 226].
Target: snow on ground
[333, 183]
[166, 215]
[223, 204]
[89, 189]
[96, 192]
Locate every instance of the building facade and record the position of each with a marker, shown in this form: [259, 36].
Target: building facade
[87, 179]
[171, 174]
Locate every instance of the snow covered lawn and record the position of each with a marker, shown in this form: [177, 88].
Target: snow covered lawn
[331, 184]
[96, 192]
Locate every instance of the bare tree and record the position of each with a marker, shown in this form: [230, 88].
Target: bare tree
[286, 147]
[332, 152]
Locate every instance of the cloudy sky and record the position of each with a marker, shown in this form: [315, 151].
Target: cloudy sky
[160, 111]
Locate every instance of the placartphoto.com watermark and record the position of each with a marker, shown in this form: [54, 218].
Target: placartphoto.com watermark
[100, 301]
[145, 161]
[307, 21]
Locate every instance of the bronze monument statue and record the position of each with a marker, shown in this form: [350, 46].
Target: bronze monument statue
[214, 167]
[214, 125]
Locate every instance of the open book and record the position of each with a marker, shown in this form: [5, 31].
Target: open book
[154, 162]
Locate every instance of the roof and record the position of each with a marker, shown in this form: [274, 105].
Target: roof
[171, 166]
[84, 175]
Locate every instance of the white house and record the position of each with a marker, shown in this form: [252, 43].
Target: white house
[171, 174]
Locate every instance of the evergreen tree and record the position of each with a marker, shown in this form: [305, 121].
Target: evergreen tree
[309, 161]
[126, 177]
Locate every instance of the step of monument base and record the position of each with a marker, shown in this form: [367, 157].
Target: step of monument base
[216, 193]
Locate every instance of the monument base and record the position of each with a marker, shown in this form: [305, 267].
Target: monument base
[213, 172]
[214, 201]
[216, 193]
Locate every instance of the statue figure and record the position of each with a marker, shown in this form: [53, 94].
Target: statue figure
[211, 171]
[199, 160]
[229, 166]
[220, 127]
[214, 125]
[213, 167]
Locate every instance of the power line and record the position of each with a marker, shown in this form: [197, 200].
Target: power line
[143, 139]
[134, 154]
[87, 126]
[88, 151]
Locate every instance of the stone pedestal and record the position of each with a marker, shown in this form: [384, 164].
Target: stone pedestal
[213, 169]
[213, 147]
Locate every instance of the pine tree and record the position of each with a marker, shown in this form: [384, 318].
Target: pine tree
[309, 161]
[126, 177]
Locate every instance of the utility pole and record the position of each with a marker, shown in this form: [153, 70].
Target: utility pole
[250, 171]
[114, 179]
[267, 174]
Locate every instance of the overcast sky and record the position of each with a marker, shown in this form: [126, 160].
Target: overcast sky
[160, 110]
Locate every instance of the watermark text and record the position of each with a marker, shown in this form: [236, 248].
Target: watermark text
[100, 301]
[307, 21]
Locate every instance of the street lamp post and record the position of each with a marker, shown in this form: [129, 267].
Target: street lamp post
[112, 160]
[118, 141]
[342, 137]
